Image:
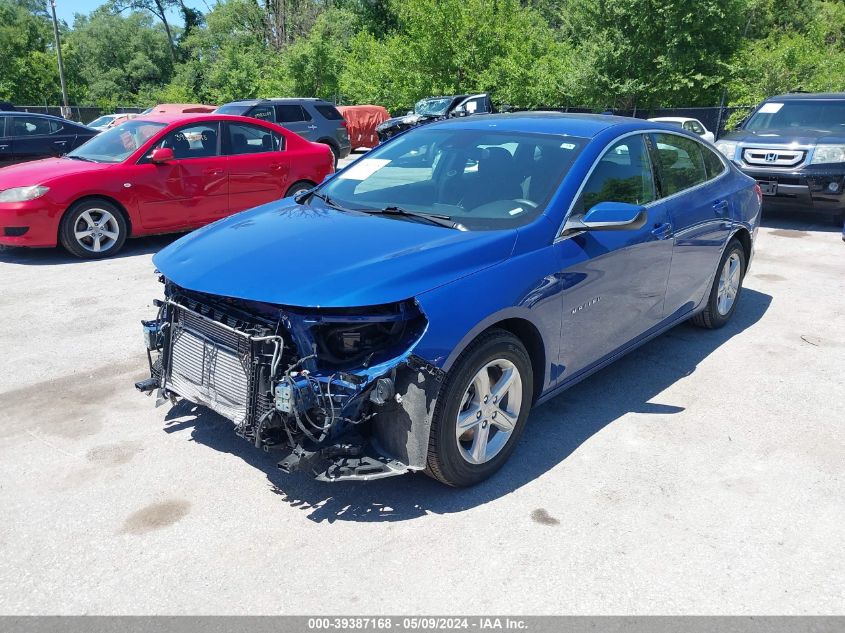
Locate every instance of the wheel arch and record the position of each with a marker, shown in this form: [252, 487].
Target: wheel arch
[744, 236]
[327, 140]
[97, 196]
[522, 327]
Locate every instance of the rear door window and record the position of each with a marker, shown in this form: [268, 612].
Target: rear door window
[2, 126]
[263, 112]
[681, 163]
[712, 162]
[623, 174]
[291, 113]
[252, 139]
[30, 126]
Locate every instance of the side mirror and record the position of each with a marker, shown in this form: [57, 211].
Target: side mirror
[161, 155]
[610, 216]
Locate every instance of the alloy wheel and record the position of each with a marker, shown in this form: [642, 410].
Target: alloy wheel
[96, 230]
[729, 282]
[489, 411]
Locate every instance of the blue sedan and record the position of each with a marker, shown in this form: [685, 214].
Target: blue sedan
[406, 314]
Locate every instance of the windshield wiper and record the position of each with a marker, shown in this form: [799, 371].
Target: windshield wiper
[87, 160]
[431, 218]
[321, 196]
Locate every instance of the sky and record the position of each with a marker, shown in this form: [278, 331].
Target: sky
[65, 9]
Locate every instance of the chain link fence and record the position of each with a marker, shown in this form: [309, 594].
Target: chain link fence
[714, 119]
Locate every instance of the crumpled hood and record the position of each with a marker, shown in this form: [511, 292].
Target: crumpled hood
[38, 172]
[405, 120]
[312, 256]
[787, 136]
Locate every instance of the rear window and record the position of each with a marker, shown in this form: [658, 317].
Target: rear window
[329, 111]
[232, 108]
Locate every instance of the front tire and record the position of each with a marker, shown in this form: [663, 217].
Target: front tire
[726, 288]
[93, 229]
[481, 410]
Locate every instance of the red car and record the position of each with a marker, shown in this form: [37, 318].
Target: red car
[154, 174]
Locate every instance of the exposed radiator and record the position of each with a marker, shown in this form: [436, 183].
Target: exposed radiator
[212, 364]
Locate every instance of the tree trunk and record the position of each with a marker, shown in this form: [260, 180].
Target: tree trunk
[162, 15]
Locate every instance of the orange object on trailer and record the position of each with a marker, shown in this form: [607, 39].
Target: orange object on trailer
[361, 122]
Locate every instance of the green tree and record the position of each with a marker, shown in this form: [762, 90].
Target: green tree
[311, 66]
[457, 46]
[809, 55]
[28, 71]
[648, 53]
[119, 60]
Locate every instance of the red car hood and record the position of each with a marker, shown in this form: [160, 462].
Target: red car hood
[38, 172]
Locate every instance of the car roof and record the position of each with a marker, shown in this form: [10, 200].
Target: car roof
[562, 123]
[197, 117]
[38, 114]
[277, 99]
[808, 96]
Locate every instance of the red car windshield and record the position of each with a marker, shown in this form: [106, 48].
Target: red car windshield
[118, 143]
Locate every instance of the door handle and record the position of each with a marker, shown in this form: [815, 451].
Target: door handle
[59, 142]
[720, 207]
[3, 146]
[276, 166]
[312, 127]
[213, 172]
[662, 231]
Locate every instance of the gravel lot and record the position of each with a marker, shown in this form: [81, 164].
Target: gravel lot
[701, 474]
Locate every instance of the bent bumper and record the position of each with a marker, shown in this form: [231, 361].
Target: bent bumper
[334, 425]
[32, 223]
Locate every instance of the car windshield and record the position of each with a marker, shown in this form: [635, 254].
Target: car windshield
[815, 114]
[480, 179]
[434, 107]
[115, 145]
[103, 120]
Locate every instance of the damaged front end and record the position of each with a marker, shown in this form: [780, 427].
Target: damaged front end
[337, 391]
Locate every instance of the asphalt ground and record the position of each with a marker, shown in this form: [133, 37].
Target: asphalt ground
[702, 474]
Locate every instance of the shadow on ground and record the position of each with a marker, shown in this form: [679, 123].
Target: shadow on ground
[799, 221]
[554, 431]
[58, 256]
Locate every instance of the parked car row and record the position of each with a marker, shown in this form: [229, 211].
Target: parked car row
[154, 174]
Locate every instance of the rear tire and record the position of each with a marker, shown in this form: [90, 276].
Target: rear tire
[726, 289]
[93, 229]
[481, 410]
[298, 187]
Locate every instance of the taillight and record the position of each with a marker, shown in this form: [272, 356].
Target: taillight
[343, 123]
[759, 192]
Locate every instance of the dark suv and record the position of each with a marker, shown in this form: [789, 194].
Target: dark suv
[313, 119]
[794, 146]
